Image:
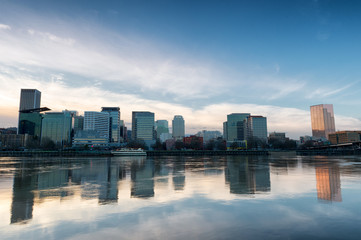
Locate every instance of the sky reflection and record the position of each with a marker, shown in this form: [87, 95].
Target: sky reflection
[179, 197]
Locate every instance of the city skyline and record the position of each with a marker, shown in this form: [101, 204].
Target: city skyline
[201, 60]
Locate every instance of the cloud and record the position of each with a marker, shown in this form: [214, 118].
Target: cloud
[4, 27]
[326, 92]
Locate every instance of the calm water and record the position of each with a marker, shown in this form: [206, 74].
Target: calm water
[230, 197]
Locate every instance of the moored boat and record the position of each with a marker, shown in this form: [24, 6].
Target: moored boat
[129, 152]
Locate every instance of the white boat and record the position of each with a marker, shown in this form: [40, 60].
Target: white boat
[129, 152]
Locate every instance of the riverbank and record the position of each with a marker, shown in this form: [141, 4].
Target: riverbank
[329, 152]
[107, 153]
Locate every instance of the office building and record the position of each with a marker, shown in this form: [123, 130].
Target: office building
[30, 123]
[234, 128]
[178, 129]
[29, 99]
[57, 126]
[161, 126]
[114, 123]
[98, 121]
[257, 127]
[90, 138]
[78, 123]
[29, 113]
[322, 120]
[341, 137]
[143, 126]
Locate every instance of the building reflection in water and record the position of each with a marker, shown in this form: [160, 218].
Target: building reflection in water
[142, 177]
[23, 196]
[179, 174]
[328, 182]
[247, 175]
[35, 182]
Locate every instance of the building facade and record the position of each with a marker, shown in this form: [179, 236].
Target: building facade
[257, 127]
[78, 123]
[98, 121]
[341, 137]
[29, 99]
[114, 123]
[143, 126]
[178, 127]
[57, 126]
[235, 128]
[30, 123]
[161, 126]
[322, 120]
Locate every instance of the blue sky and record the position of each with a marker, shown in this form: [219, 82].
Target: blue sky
[200, 59]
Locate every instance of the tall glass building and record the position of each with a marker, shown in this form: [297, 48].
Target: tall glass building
[143, 126]
[178, 129]
[161, 126]
[98, 121]
[57, 126]
[29, 99]
[30, 123]
[322, 120]
[234, 128]
[257, 127]
[114, 123]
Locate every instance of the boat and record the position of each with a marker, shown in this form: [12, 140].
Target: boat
[129, 152]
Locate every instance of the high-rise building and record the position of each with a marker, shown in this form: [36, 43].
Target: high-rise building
[161, 126]
[322, 120]
[29, 99]
[30, 121]
[143, 126]
[98, 121]
[234, 128]
[78, 123]
[57, 127]
[114, 123]
[178, 129]
[257, 127]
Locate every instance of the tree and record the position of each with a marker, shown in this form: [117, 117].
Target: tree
[210, 145]
[179, 145]
[47, 143]
[220, 144]
[137, 144]
[157, 145]
[32, 142]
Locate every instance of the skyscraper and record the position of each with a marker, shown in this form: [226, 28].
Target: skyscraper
[161, 126]
[234, 128]
[29, 99]
[114, 123]
[98, 121]
[322, 120]
[143, 126]
[257, 127]
[29, 122]
[178, 127]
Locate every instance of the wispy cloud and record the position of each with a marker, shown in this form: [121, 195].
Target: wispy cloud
[327, 91]
[4, 27]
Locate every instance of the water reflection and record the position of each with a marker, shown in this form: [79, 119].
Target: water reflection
[107, 179]
[328, 182]
[247, 175]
